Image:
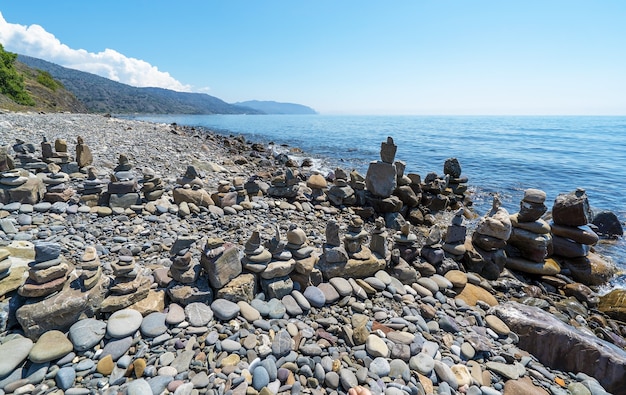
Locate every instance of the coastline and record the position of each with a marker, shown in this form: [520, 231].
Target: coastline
[417, 336]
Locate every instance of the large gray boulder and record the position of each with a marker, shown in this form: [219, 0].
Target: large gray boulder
[563, 347]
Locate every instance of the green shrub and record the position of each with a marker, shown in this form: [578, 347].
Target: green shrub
[45, 79]
[11, 82]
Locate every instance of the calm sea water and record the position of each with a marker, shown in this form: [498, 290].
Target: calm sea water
[504, 155]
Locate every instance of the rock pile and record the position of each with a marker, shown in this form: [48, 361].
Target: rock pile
[530, 243]
[573, 238]
[122, 189]
[47, 274]
[129, 286]
[485, 254]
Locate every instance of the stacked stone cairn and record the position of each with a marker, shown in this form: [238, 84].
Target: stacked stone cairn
[190, 193]
[92, 188]
[123, 190]
[381, 180]
[25, 155]
[84, 157]
[454, 240]
[231, 194]
[318, 185]
[129, 286]
[341, 193]
[405, 239]
[530, 242]
[361, 261]
[152, 187]
[406, 246]
[274, 272]
[91, 269]
[407, 191]
[5, 264]
[456, 182]
[334, 255]
[284, 184]
[357, 183]
[432, 251]
[19, 185]
[55, 154]
[47, 274]
[485, 253]
[57, 188]
[221, 262]
[573, 239]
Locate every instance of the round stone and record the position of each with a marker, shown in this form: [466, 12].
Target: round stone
[198, 314]
[380, 367]
[153, 325]
[224, 310]
[467, 351]
[248, 312]
[230, 346]
[342, 285]
[457, 278]
[330, 293]
[65, 378]
[124, 323]
[138, 387]
[50, 346]
[422, 363]
[175, 314]
[315, 296]
[497, 325]
[13, 353]
[376, 347]
[296, 236]
[260, 378]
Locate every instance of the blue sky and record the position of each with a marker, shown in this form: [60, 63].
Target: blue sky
[345, 57]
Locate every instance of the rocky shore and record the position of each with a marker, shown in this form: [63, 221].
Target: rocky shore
[140, 258]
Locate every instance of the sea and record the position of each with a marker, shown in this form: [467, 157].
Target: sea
[498, 154]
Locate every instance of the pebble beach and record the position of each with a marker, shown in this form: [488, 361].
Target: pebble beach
[213, 269]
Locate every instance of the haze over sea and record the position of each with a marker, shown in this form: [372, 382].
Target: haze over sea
[499, 154]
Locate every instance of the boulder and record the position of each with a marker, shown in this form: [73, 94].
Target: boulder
[563, 347]
[380, 179]
[60, 311]
[613, 304]
[571, 209]
[221, 268]
[31, 192]
[608, 224]
[592, 269]
[199, 197]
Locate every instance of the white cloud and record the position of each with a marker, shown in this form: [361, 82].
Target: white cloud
[35, 41]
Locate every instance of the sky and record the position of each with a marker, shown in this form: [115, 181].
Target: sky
[444, 57]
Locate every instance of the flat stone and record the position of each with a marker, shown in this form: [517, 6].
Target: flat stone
[124, 323]
[198, 314]
[175, 314]
[422, 363]
[116, 348]
[330, 293]
[315, 296]
[153, 325]
[342, 285]
[51, 345]
[13, 353]
[376, 347]
[497, 325]
[248, 312]
[138, 387]
[224, 310]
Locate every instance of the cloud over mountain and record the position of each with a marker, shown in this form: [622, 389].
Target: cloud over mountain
[35, 41]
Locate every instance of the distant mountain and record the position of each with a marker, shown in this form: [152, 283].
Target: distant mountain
[101, 95]
[272, 107]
